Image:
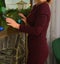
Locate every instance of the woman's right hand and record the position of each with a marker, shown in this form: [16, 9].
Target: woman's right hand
[12, 23]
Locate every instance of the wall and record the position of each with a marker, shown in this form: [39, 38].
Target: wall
[58, 17]
[12, 3]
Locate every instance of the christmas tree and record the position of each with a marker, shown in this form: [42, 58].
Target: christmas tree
[2, 11]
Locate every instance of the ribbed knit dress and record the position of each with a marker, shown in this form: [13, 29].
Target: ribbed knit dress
[38, 21]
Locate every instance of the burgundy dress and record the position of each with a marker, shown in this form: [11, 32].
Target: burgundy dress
[38, 21]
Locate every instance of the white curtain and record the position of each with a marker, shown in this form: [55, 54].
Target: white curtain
[54, 29]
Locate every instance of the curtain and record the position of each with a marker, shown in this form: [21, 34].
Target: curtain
[54, 29]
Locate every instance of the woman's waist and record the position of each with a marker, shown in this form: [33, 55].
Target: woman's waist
[38, 42]
[41, 37]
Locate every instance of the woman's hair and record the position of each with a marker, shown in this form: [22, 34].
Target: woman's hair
[48, 1]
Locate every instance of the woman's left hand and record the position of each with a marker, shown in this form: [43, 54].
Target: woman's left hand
[12, 23]
[23, 17]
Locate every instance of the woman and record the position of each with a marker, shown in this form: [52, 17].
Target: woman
[36, 25]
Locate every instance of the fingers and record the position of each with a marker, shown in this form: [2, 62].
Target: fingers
[7, 20]
[23, 20]
[10, 21]
[23, 17]
[8, 24]
[20, 14]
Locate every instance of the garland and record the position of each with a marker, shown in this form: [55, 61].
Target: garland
[13, 13]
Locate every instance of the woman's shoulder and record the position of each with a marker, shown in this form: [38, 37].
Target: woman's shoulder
[42, 5]
[43, 8]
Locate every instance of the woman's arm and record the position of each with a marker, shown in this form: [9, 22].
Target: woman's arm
[41, 21]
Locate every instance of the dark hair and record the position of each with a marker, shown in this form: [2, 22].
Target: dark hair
[48, 1]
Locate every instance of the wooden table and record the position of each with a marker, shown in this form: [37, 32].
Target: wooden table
[12, 47]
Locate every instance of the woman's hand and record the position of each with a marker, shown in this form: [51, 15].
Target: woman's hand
[23, 18]
[12, 23]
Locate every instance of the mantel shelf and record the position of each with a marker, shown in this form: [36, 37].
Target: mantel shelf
[8, 32]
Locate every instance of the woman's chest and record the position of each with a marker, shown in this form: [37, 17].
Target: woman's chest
[31, 19]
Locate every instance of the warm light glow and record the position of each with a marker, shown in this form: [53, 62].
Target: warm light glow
[29, 4]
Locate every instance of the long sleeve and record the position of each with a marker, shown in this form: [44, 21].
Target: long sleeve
[41, 21]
